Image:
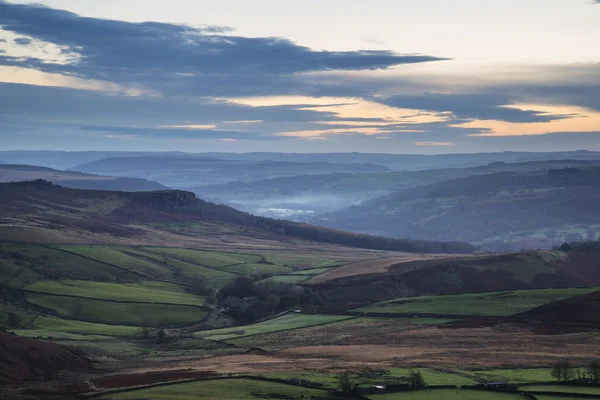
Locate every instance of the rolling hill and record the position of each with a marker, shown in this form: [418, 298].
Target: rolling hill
[39, 210]
[305, 195]
[187, 171]
[500, 211]
[75, 180]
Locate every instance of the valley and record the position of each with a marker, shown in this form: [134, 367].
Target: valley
[169, 296]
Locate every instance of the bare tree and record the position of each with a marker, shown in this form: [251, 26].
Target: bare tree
[346, 383]
[562, 371]
[415, 379]
[14, 320]
[593, 370]
[77, 310]
[145, 326]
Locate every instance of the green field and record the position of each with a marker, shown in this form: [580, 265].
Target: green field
[283, 323]
[513, 375]
[258, 269]
[118, 313]
[229, 389]
[284, 279]
[494, 303]
[446, 394]
[300, 260]
[206, 258]
[311, 271]
[562, 388]
[114, 257]
[144, 292]
[63, 325]
[25, 264]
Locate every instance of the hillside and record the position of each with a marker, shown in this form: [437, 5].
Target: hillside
[75, 180]
[397, 162]
[38, 209]
[501, 211]
[302, 196]
[187, 171]
[23, 359]
[383, 279]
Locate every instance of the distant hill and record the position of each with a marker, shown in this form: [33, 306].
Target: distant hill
[300, 196]
[200, 171]
[75, 180]
[41, 208]
[398, 162]
[457, 275]
[536, 209]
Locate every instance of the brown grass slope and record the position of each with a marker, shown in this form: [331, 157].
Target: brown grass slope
[43, 209]
[23, 359]
[456, 275]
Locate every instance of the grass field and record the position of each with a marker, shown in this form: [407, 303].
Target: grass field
[311, 271]
[513, 375]
[258, 269]
[285, 279]
[300, 260]
[24, 264]
[62, 325]
[495, 303]
[229, 389]
[446, 394]
[118, 313]
[563, 389]
[206, 258]
[114, 257]
[144, 292]
[283, 323]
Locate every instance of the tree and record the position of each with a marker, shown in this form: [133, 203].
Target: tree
[346, 383]
[199, 285]
[145, 325]
[593, 370]
[14, 320]
[161, 336]
[415, 379]
[77, 310]
[562, 371]
[566, 247]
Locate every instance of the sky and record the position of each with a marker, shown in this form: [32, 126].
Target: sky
[411, 76]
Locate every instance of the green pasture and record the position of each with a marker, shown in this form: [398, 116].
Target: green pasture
[563, 389]
[112, 256]
[283, 323]
[206, 258]
[446, 394]
[72, 326]
[225, 389]
[492, 303]
[300, 260]
[118, 313]
[144, 292]
[258, 269]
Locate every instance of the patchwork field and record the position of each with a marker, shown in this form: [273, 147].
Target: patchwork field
[230, 389]
[283, 323]
[142, 292]
[495, 303]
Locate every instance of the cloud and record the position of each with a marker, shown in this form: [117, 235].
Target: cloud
[177, 133]
[171, 56]
[471, 106]
[435, 143]
[22, 41]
